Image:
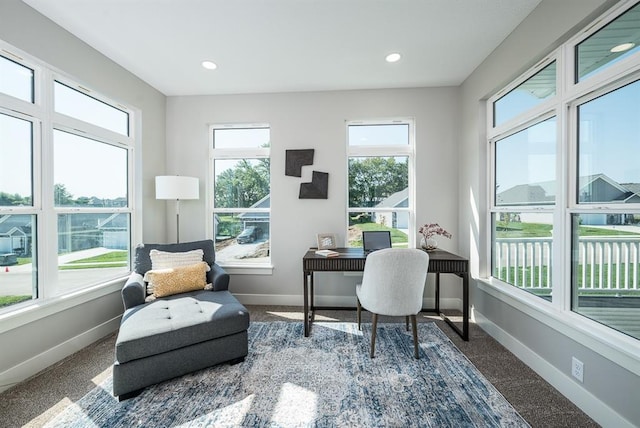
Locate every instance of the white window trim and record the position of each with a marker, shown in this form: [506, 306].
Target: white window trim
[45, 119]
[407, 150]
[616, 346]
[264, 268]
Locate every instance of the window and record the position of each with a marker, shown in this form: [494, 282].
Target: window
[74, 103]
[90, 179]
[17, 214]
[584, 223]
[612, 43]
[241, 205]
[16, 79]
[524, 179]
[525, 96]
[605, 222]
[16, 175]
[380, 167]
[65, 185]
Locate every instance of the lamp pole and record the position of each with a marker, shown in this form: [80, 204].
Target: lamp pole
[177, 187]
[178, 221]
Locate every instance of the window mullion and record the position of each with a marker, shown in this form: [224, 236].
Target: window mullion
[47, 240]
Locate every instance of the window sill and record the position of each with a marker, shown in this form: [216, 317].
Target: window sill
[247, 269]
[38, 309]
[615, 346]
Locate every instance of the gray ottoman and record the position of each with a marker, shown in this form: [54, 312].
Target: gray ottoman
[177, 335]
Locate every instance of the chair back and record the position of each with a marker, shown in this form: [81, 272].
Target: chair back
[142, 261]
[393, 281]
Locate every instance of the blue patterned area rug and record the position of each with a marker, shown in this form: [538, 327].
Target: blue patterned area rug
[326, 380]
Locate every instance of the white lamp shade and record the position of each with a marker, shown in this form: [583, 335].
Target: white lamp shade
[177, 187]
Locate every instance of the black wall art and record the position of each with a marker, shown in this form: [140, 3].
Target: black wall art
[317, 189]
[295, 160]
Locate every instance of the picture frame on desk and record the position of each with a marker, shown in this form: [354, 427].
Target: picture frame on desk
[326, 241]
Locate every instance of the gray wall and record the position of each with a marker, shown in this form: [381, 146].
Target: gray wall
[38, 338]
[546, 341]
[315, 120]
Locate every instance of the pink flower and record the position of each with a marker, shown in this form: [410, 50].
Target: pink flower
[431, 229]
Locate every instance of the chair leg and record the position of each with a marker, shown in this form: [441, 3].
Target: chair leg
[414, 327]
[358, 312]
[374, 328]
[406, 322]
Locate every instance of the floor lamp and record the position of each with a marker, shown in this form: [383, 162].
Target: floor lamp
[177, 187]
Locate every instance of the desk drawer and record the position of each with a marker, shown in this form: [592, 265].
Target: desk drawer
[333, 264]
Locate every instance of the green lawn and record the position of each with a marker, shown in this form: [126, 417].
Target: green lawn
[538, 230]
[12, 300]
[116, 258]
[399, 239]
[112, 256]
[524, 279]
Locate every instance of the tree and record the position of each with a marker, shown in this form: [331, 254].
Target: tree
[7, 200]
[243, 185]
[61, 196]
[373, 179]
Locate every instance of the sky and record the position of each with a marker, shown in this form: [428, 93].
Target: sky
[609, 143]
[86, 167]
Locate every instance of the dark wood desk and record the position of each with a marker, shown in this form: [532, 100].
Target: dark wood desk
[353, 260]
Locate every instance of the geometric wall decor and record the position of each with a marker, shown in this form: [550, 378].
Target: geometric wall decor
[317, 189]
[295, 160]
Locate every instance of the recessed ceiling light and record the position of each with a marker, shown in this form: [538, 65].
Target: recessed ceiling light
[393, 57]
[209, 65]
[622, 47]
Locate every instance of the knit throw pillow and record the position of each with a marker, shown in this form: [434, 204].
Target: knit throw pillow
[168, 260]
[182, 279]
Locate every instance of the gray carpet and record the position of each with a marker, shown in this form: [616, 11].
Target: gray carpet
[38, 400]
[325, 380]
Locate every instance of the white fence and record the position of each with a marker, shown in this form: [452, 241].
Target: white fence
[607, 264]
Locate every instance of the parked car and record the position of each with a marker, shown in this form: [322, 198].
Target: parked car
[249, 234]
[8, 259]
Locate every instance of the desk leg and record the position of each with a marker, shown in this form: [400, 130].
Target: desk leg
[312, 293]
[438, 293]
[464, 333]
[465, 304]
[305, 292]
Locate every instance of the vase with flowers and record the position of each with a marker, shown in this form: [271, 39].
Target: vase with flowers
[428, 231]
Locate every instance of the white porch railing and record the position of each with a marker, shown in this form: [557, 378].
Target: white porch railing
[607, 264]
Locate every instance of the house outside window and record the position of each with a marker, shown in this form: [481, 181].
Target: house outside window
[565, 176]
[65, 183]
[380, 180]
[240, 209]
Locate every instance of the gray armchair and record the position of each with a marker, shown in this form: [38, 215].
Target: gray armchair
[177, 334]
[134, 291]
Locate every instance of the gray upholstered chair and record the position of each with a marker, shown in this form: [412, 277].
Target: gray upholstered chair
[393, 284]
[180, 333]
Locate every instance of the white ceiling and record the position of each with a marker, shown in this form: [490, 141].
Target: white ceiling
[290, 45]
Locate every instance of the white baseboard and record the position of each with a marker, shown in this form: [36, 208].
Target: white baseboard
[587, 402]
[335, 301]
[36, 364]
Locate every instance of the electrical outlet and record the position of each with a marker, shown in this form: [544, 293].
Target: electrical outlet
[577, 369]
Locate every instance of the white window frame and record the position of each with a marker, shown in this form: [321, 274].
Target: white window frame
[407, 150]
[41, 113]
[610, 343]
[259, 268]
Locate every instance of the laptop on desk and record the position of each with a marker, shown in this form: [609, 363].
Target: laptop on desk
[375, 240]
